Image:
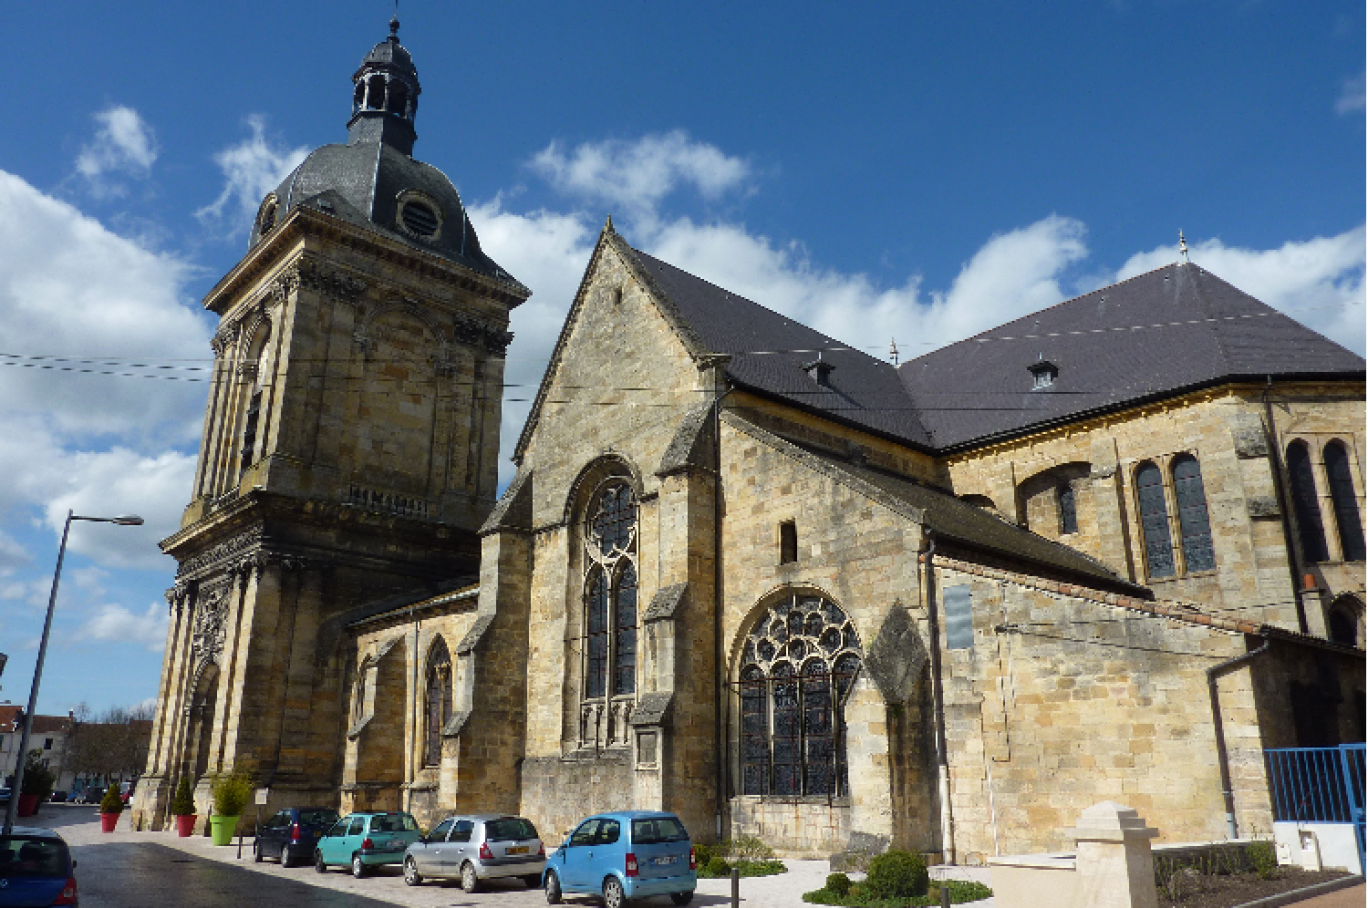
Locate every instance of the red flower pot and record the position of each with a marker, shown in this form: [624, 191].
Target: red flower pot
[28, 805]
[185, 825]
[107, 821]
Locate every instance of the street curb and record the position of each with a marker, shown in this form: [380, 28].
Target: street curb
[1297, 895]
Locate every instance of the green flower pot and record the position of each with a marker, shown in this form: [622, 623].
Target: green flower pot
[222, 829]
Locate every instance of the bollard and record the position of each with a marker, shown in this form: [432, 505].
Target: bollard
[736, 888]
[239, 857]
[945, 893]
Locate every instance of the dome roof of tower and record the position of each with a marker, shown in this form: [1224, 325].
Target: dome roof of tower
[390, 52]
[373, 185]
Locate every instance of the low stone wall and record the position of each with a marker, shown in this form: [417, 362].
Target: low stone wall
[558, 792]
[797, 826]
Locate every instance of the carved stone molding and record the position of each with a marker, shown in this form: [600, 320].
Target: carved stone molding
[210, 627]
[177, 597]
[222, 554]
[224, 338]
[331, 282]
[478, 333]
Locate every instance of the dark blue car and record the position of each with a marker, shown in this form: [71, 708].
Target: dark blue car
[36, 869]
[292, 834]
[623, 856]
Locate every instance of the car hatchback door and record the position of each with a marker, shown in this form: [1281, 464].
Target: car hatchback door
[661, 846]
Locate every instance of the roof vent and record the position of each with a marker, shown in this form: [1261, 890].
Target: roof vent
[1044, 372]
[820, 370]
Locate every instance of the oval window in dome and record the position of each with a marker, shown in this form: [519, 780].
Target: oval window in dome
[419, 218]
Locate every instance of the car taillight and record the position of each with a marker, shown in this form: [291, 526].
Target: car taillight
[693, 861]
[541, 849]
[631, 864]
[485, 853]
[294, 833]
[367, 844]
[68, 896]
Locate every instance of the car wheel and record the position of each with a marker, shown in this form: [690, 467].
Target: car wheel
[681, 898]
[533, 880]
[256, 852]
[553, 890]
[358, 866]
[318, 862]
[411, 874]
[469, 881]
[613, 896]
[286, 856]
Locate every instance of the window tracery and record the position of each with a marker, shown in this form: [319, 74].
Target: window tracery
[610, 615]
[798, 666]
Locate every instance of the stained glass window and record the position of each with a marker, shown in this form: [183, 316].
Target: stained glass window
[1068, 510]
[1149, 483]
[1305, 504]
[610, 593]
[1192, 514]
[801, 662]
[438, 701]
[1342, 496]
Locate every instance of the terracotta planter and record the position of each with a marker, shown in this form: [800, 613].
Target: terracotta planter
[108, 821]
[28, 805]
[185, 824]
[223, 828]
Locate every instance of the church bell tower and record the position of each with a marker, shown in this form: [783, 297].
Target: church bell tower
[349, 451]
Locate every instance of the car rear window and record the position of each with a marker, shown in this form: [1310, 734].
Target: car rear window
[509, 829]
[318, 817]
[32, 856]
[658, 829]
[394, 822]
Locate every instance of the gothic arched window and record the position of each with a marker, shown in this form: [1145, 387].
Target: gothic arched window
[1345, 502]
[1149, 488]
[1068, 509]
[437, 701]
[1305, 503]
[797, 669]
[610, 593]
[1193, 522]
[254, 373]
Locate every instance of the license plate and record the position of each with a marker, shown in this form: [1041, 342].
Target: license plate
[661, 862]
[517, 849]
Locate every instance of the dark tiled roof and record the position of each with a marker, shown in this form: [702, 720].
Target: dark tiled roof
[950, 518]
[768, 352]
[1173, 329]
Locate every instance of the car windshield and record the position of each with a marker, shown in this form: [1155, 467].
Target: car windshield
[22, 855]
[393, 822]
[509, 828]
[658, 829]
[318, 817]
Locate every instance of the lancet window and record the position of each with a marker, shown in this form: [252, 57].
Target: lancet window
[797, 669]
[610, 612]
[438, 702]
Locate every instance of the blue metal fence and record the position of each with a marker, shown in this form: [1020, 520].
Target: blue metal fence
[1319, 785]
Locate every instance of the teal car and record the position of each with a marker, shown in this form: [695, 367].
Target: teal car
[365, 840]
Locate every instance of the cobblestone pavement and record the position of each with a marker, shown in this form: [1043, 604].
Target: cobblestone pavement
[126, 868]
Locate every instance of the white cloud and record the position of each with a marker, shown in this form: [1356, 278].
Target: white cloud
[1351, 99]
[638, 174]
[124, 144]
[251, 168]
[1319, 282]
[12, 557]
[118, 624]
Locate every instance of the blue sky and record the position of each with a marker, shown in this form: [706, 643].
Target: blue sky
[901, 170]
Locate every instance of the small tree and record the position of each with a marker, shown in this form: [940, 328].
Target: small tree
[183, 804]
[231, 792]
[38, 778]
[112, 802]
[897, 875]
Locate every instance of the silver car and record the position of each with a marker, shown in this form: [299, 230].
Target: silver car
[476, 848]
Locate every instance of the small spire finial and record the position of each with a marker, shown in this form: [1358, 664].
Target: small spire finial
[394, 22]
[608, 225]
[893, 350]
[1182, 245]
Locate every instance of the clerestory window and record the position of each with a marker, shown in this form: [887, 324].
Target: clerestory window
[438, 702]
[1344, 501]
[1306, 503]
[799, 664]
[1154, 522]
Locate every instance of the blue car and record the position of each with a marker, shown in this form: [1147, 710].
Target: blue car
[36, 868]
[624, 856]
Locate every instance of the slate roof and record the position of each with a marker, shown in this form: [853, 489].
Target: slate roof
[1171, 330]
[953, 519]
[768, 352]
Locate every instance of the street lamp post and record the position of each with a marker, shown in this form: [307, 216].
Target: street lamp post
[127, 520]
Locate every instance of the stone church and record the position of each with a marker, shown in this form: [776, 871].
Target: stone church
[1112, 550]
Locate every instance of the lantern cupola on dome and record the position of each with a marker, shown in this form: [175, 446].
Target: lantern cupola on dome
[385, 97]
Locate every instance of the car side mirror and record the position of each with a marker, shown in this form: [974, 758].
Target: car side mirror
[73, 863]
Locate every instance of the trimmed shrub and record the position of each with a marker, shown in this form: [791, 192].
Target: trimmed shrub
[838, 884]
[1264, 859]
[231, 791]
[38, 778]
[703, 854]
[718, 866]
[749, 848]
[112, 802]
[183, 804]
[897, 874]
